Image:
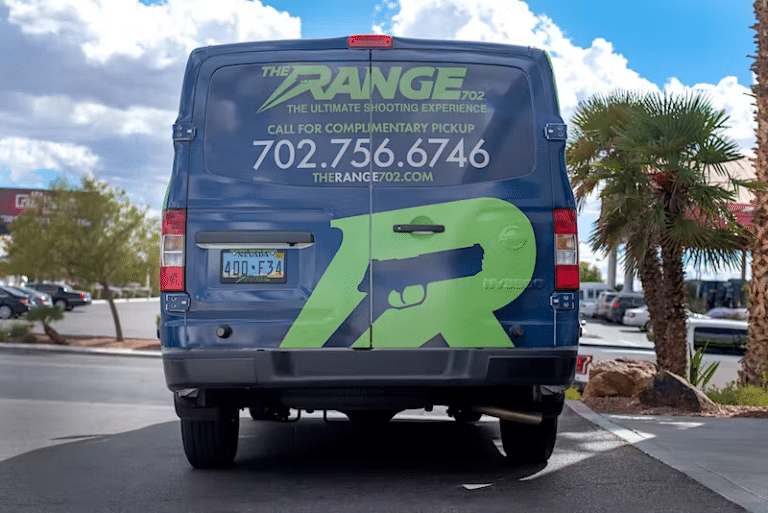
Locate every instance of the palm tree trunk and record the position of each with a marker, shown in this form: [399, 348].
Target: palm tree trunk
[671, 350]
[650, 277]
[754, 366]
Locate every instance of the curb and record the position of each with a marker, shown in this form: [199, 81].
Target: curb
[51, 348]
[643, 441]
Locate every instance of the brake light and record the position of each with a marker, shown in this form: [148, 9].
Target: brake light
[615, 305]
[82, 295]
[24, 301]
[566, 250]
[369, 41]
[582, 363]
[172, 250]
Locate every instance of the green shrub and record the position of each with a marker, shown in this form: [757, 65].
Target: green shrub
[572, 394]
[19, 331]
[733, 394]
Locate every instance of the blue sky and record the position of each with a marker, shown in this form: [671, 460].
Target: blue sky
[91, 87]
[660, 39]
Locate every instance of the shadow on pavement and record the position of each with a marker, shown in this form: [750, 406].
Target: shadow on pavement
[313, 466]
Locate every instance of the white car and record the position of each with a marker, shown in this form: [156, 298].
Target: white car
[723, 341]
[587, 308]
[637, 317]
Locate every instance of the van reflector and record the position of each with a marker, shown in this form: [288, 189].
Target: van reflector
[566, 250]
[172, 250]
[369, 41]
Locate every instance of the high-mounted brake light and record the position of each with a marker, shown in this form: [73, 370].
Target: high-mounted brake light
[172, 250]
[369, 41]
[566, 250]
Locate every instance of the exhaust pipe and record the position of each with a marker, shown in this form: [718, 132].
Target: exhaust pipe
[534, 419]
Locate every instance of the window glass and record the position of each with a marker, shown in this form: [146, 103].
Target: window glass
[349, 123]
[720, 340]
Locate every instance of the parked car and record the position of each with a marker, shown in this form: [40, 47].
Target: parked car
[604, 302]
[36, 298]
[621, 303]
[12, 303]
[588, 296]
[637, 317]
[63, 296]
[723, 341]
[728, 313]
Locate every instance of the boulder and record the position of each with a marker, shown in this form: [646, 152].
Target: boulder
[620, 377]
[667, 389]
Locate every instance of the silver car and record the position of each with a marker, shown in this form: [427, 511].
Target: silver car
[36, 298]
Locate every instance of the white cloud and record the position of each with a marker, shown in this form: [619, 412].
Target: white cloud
[580, 72]
[22, 156]
[101, 120]
[160, 34]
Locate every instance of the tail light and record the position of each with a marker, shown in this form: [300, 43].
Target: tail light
[582, 363]
[369, 41]
[615, 305]
[172, 250]
[24, 301]
[82, 295]
[566, 250]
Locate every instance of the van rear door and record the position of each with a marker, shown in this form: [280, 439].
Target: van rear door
[266, 217]
[461, 184]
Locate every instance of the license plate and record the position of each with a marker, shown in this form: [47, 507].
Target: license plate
[253, 266]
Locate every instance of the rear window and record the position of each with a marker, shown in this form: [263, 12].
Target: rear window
[348, 124]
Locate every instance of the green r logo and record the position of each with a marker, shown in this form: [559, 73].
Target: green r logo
[415, 298]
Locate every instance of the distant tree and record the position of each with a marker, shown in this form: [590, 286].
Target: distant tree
[45, 315]
[589, 273]
[89, 233]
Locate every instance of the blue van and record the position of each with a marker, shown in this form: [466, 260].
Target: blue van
[368, 224]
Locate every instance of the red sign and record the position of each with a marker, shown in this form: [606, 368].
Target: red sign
[12, 202]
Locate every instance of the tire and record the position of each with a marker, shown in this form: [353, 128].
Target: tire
[370, 417]
[646, 326]
[210, 443]
[5, 312]
[528, 444]
[61, 304]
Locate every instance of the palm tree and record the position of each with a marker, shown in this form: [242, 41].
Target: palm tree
[678, 142]
[654, 154]
[754, 366]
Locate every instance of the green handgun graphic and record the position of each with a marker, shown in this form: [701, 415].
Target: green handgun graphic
[423, 285]
[391, 279]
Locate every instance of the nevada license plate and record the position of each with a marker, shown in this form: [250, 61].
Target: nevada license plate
[253, 266]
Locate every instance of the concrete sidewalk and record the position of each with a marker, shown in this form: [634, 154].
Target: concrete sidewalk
[727, 455]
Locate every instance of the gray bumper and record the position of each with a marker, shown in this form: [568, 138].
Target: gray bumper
[306, 368]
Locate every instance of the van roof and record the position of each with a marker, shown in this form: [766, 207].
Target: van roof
[339, 43]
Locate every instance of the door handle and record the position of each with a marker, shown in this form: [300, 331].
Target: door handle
[418, 228]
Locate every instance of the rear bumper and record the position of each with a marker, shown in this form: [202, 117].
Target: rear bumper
[424, 367]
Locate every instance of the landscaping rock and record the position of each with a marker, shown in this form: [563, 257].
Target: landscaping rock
[621, 377]
[667, 389]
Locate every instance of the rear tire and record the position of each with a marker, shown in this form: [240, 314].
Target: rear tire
[61, 305]
[210, 443]
[525, 443]
[5, 312]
